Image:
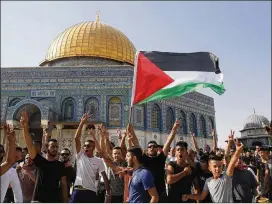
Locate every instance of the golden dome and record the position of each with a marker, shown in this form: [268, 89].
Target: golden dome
[94, 39]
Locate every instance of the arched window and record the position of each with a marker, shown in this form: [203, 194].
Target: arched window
[115, 110]
[210, 125]
[169, 118]
[91, 106]
[183, 123]
[156, 117]
[68, 109]
[14, 101]
[202, 126]
[192, 124]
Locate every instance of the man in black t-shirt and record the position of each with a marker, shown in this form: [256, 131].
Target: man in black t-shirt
[244, 183]
[202, 174]
[70, 171]
[50, 173]
[156, 162]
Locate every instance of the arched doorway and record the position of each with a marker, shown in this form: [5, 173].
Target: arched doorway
[34, 115]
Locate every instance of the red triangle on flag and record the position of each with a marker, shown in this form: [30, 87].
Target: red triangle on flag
[149, 79]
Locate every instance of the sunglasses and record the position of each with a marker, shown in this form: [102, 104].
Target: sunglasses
[64, 154]
[88, 146]
[154, 146]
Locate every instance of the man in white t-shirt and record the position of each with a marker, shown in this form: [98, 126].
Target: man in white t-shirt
[88, 169]
[8, 174]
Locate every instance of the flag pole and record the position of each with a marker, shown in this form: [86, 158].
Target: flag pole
[133, 86]
[130, 114]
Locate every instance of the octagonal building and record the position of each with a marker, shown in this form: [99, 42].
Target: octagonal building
[89, 66]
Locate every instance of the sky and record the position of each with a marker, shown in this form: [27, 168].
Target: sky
[239, 33]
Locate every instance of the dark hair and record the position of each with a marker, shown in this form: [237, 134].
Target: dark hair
[52, 140]
[137, 152]
[19, 149]
[90, 141]
[215, 158]
[118, 148]
[66, 149]
[204, 158]
[152, 142]
[182, 144]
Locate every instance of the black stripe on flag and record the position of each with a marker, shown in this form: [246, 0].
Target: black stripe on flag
[197, 61]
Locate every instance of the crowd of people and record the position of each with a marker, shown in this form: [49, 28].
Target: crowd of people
[125, 172]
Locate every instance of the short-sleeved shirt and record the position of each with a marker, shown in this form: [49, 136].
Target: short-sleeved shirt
[220, 189]
[202, 177]
[88, 170]
[48, 177]
[243, 184]
[141, 181]
[156, 165]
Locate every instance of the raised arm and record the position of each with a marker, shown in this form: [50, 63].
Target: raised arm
[131, 133]
[97, 145]
[171, 137]
[11, 152]
[29, 143]
[78, 132]
[46, 137]
[214, 141]
[123, 144]
[230, 142]
[234, 158]
[194, 142]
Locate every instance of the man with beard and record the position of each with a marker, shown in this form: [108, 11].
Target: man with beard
[8, 174]
[70, 171]
[156, 162]
[142, 188]
[244, 183]
[179, 174]
[220, 185]
[26, 174]
[50, 172]
[88, 169]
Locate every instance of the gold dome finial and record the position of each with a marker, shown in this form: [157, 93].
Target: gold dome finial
[97, 16]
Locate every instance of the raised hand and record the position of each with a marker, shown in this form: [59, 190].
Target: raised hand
[192, 134]
[176, 125]
[11, 134]
[85, 117]
[213, 132]
[24, 119]
[231, 136]
[239, 145]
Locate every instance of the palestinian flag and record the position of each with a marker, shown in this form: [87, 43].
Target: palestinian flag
[161, 75]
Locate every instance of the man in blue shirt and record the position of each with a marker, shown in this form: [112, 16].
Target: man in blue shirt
[141, 187]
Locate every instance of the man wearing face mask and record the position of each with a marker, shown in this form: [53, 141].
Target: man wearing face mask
[70, 171]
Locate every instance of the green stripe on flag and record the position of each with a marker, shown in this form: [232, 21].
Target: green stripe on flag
[182, 89]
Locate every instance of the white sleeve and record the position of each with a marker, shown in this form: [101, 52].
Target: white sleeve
[101, 166]
[16, 187]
